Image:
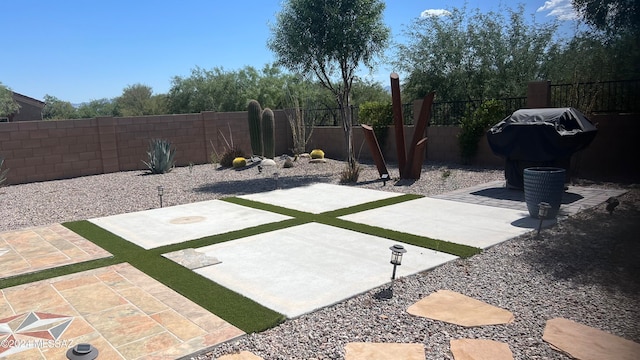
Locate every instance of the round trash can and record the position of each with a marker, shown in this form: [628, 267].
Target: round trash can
[543, 184]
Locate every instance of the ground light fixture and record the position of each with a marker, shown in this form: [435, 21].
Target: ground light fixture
[543, 211]
[82, 351]
[160, 193]
[396, 257]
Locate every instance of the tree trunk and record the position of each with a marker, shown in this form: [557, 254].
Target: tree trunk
[345, 112]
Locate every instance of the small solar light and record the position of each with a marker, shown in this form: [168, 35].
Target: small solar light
[543, 211]
[82, 352]
[160, 193]
[396, 257]
[275, 177]
[385, 178]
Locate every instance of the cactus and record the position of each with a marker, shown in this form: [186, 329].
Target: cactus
[268, 134]
[255, 132]
[161, 155]
[239, 162]
[317, 154]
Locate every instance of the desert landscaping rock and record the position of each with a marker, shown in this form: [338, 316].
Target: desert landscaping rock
[584, 269]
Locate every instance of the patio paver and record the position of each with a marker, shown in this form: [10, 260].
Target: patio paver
[40, 248]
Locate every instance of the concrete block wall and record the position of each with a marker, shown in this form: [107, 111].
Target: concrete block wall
[49, 150]
[46, 150]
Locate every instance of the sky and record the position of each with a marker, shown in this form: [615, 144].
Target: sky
[83, 50]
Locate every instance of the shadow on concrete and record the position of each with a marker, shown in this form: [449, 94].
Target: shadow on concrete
[259, 185]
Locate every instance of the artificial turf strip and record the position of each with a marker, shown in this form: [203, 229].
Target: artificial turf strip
[371, 205]
[330, 218]
[57, 271]
[459, 250]
[234, 308]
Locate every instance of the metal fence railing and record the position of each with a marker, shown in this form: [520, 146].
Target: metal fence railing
[592, 97]
[598, 97]
[450, 113]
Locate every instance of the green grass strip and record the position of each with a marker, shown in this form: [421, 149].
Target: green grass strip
[57, 271]
[460, 250]
[371, 205]
[330, 218]
[268, 207]
[238, 310]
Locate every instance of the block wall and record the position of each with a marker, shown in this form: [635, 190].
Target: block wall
[49, 150]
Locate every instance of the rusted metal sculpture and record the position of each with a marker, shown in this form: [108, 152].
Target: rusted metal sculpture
[409, 165]
[376, 153]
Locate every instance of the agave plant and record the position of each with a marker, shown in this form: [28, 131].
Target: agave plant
[3, 173]
[160, 156]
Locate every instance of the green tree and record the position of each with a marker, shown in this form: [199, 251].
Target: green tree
[611, 16]
[138, 100]
[330, 38]
[56, 109]
[95, 108]
[473, 55]
[368, 91]
[8, 106]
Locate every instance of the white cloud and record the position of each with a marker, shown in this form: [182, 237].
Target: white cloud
[562, 9]
[434, 13]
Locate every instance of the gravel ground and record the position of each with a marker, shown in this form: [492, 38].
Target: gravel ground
[586, 268]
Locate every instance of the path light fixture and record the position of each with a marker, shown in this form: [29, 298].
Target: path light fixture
[396, 257]
[160, 193]
[275, 177]
[82, 351]
[543, 211]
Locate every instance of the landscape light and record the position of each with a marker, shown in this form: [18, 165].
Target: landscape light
[82, 351]
[396, 257]
[543, 211]
[160, 193]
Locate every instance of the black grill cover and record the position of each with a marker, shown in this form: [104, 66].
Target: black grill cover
[539, 137]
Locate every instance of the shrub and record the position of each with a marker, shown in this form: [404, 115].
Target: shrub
[350, 174]
[474, 125]
[3, 173]
[161, 156]
[379, 115]
[239, 162]
[317, 154]
[226, 160]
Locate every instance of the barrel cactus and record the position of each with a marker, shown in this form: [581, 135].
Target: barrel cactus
[255, 127]
[239, 162]
[317, 154]
[268, 134]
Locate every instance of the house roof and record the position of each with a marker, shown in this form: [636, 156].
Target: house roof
[29, 100]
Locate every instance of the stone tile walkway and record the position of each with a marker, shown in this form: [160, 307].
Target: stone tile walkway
[41, 248]
[496, 194]
[118, 309]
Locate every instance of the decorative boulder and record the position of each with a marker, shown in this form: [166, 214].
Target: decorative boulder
[268, 162]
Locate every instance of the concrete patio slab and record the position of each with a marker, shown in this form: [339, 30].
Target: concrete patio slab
[320, 197]
[171, 225]
[121, 311]
[46, 247]
[462, 223]
[299, 269]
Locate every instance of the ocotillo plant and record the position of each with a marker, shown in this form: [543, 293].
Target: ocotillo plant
[255, 132]
[268, 134]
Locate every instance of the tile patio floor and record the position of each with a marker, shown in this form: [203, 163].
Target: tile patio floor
[118, 309]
